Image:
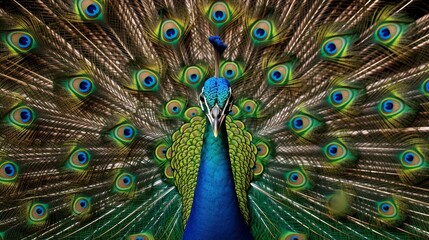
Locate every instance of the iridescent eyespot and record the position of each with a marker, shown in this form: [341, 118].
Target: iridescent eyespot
[389, 33]
[8, 172]
[174, 108]
[219, 13]
[231, 71]
[335, 47]
[79, 159]
[258, 169]
[193, 76]
[146, 80]
[81, 205]
[391, 106]
[248, 108]
[21, 116]
[124, 133]
[279, 75]
[293, 236]
[235, 112]
[261, 31]
[90, 9]
[301, 123]
[81, 87]
[341, 97]
[411, 159]
[168, 171]
[296, 180]
[20, 41]
[161, 152]
[335, 151]
[38, 212]
[124, 182]
[193, 112]
[262, 150]
[170, 31]
[141, 236]
[387, 209]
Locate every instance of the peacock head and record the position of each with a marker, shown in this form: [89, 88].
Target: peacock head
[216, 101]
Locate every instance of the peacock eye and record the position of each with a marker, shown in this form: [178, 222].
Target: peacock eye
[261, 31]
[262, 149]
[21, 116]
[141, 236]
[193, 76]
[147, 80]
[231, 71]
[279, 75]
[335, 47]
[20, 41]
[81, 205]
[90, 9]
[124, 133]
[335, 151]
[258, 169]
[219, 13]
[79, 159]
[8, 172]
[38, 212]
[248, 107]
[411, 159]
[81, 87]
[391, 106]
[293, 236]
[161, 152]
[388, 33]
[170, 31]
[192, 112]
[340, 97]
[387, 209]
[296, 179]
[174, 108]
[124, 182]
[235, 112]
[301, 123]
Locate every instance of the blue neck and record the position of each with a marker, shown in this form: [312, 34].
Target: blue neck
[215, 212]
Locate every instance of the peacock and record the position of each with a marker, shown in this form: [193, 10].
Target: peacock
[231, 119]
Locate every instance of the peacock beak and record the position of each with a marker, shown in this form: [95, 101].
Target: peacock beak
[217, 118]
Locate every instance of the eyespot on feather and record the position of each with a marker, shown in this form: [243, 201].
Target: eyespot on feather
[387, 209]
[141, 236]
[8, 172]
[124, 133]
[20, 41]
[79, 159]
[146, 80]
[261, 31]
[411, 159]
[174, 108]
[89, 10]
[81, 205]
[219, 13]
[124, 183]
[21, 116]
[335, 47]
[81, 87]
[38, 212]
[170, 31]
[279, 75]
[231, 71]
